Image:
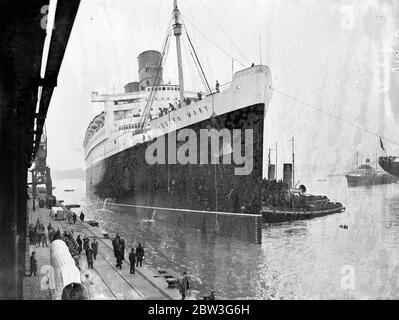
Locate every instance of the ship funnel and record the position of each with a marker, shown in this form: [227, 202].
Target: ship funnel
[271, 172]
[287, 174]
[150, 69]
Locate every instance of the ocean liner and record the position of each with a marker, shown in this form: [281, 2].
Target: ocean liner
[117, 139]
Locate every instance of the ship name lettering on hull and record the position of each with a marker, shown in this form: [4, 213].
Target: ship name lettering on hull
[189, 115]
[189, 153]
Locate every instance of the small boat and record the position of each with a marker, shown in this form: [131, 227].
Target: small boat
[70, 206]
[69, 190]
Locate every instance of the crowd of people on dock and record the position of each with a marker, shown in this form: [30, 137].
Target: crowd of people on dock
[53, 234]
[135, 256]
[37, 234]
[71, 217]
[136, 259]
[38, 237]
[90, 250]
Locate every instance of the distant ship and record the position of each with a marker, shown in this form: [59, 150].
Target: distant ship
[116, 140]
[390, 164]
[366, 175]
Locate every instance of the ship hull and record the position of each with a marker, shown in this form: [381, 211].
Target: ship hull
[370, 180]
[276, 215]
[128, 177]
[389, 165]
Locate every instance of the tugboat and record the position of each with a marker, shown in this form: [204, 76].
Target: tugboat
[366, 175]
[282, 201]
[289, 204]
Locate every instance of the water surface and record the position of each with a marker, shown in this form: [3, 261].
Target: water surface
[303, 259]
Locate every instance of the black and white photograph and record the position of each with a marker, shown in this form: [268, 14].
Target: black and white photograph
[210, 151]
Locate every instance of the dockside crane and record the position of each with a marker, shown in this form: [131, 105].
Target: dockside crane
[41, 172]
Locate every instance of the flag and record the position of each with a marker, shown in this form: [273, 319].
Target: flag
[382, 145]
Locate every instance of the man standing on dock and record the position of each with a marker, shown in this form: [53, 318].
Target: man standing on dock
[86, 243]
[32, 234]
[132, 259]
[94, 247]
[79, 242]
[43, 237]
[184, 286]
[74, 218]
[118, 259]
[33, 264]
[37, 234]
[139, 255]
[89, 255]
[115, 244]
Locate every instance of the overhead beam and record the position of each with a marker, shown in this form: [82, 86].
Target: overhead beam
[21, 49]
[63, 22]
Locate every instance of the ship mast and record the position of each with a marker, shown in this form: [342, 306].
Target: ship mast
[293, 162]
[177, 30]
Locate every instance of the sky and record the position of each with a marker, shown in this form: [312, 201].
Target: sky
[329, 59]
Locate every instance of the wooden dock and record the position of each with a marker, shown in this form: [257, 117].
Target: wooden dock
[105, 282]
